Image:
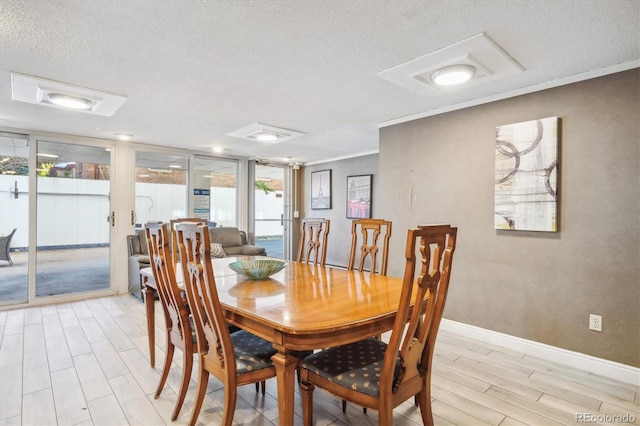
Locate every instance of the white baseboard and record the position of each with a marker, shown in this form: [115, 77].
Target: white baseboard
[602, 367]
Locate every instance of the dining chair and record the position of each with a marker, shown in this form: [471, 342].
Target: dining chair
[176, 310]
[234, 359]
[364, 244]
[313, 240]
[174, 239]
[381, 376]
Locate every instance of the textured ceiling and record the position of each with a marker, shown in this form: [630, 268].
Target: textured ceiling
[196, 70]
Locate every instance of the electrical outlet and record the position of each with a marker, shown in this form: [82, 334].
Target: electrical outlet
[595, 322]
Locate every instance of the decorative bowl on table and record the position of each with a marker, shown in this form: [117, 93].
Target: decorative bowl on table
[258, 267]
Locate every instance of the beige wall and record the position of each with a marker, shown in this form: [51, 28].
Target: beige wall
[538, 286]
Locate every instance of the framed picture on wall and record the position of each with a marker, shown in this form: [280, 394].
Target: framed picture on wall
[321, 190]
[359, 196]
[526, 170]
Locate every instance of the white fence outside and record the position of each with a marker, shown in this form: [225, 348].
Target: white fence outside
[75, 212]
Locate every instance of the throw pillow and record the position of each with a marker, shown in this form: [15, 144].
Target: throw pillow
[217, 251]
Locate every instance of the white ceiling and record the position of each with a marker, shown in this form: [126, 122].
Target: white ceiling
[195, 70]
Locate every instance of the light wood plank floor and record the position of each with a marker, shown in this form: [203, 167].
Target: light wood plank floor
[86, 363]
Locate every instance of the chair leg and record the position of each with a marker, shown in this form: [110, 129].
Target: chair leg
[261, 385]
[306, 389]
[344, 407]
[424, 401]
[201, 391]
[229, 407]
[167, 366]
[187, 367]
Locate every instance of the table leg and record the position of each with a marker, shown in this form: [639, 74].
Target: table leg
[150, 303]
[285, 364]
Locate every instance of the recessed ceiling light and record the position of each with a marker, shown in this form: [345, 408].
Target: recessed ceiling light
[68, 101]
[453, 74]
[124, 136]
[218, 149]
[55, 94]
[266, 136]
[108, 149]
[265, 133]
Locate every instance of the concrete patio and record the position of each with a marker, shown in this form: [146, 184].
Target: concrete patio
[73, 270]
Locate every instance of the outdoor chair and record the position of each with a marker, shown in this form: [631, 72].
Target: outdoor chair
[5, 247]
[313, 241]
[381, 376]
[234, 359]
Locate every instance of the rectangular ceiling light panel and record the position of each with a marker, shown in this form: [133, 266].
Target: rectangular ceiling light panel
[480, 51]
[265, 133]
[36, 90]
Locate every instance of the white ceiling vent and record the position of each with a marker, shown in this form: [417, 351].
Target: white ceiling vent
[265, 133]
[40, 91]
[488, 59]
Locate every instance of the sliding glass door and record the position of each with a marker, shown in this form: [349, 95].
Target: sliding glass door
[271, 215]
[161, 187]
[215, 190]
[14, 218]
[73, 218]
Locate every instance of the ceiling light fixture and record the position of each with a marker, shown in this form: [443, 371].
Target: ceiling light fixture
[124, 136]
[452, 75]
[68, 101]
[266, 136]
[265, 133]
[218, 149]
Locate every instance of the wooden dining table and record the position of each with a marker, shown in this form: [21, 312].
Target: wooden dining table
[301, 308]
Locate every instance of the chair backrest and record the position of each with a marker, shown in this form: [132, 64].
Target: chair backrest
[313, 240]
[370, 230]
[175, 307]
[5, 245]
[210, 323]
[174, 240]
[414, 345]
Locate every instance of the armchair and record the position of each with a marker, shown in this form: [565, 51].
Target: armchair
[138, 259]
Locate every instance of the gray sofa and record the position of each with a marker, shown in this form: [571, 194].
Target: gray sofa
[233, 241]
[138, 259]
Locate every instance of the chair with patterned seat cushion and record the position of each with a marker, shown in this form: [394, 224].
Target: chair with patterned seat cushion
[313, 240]
[381, 376]
[365, 246]
[174, 234]
[234, 359]
[177, 316]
